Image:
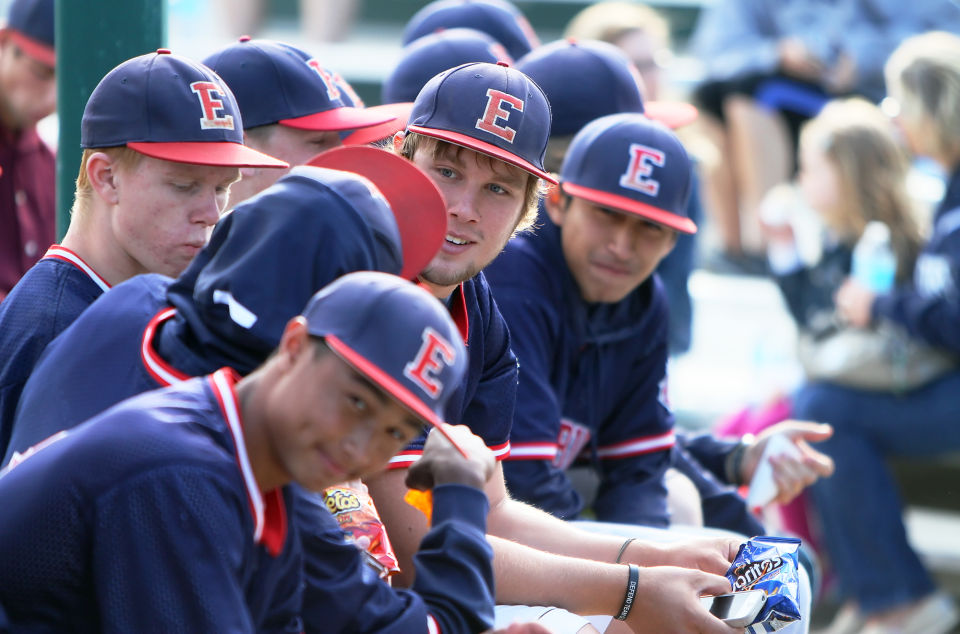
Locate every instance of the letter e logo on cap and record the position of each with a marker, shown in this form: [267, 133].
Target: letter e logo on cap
[637, 176]
[434, 351]
[496, 99]
[328, 80]
[205, 91]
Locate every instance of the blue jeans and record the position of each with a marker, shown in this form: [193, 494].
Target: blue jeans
[859, 507]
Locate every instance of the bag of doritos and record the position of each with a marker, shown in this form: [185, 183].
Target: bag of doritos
[769, 564]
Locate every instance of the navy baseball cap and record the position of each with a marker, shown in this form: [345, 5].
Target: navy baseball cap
[30, 26]
[607, 83]
[631, 163]
[490, 108]
[417, 204]
[499, 19]
[278, 83]
[431, 54]
[171, 108]
[396, 334]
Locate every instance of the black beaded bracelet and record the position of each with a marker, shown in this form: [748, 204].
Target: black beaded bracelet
[632, 583]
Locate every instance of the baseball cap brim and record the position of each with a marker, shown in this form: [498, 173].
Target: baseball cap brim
[622, 203]
[217, 153]
[345, 118]
[673, 114]
[484, 148]
[390, 385]
[400, 113]
[43, 53]
[418, 206]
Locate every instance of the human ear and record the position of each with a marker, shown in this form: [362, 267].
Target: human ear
[102, 175]
[295, 339]
[554, 201]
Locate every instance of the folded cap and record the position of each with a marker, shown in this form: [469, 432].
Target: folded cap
[434, 53]
[630, 163]
[396, 334]
[499, 19]
[171, 108]
[417, 204]
[278, 83]
[30, 24]
[490, 108]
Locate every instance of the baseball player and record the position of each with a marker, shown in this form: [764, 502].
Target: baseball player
[500, 19]
[293, 108]
[480, 131]
[28, 93]
[163, 142]
[229, 308]
[172, 507]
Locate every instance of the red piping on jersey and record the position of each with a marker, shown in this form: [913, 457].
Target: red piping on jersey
[161, 371]
[62, 253]
[637, 446]
[407, 457]
[268, 510]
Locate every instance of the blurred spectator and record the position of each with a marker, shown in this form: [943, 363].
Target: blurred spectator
[770, 66]
[322, 20]
[28, 93]
[881, 578]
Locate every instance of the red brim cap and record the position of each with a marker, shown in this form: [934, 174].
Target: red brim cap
[400, 113]
[417, 204]
[673, 114]
[345, 118]
[217, 153]
[484, 148]
[43, 53]
[391, 386]
[622, 203]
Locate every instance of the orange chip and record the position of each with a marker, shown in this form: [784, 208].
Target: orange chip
[420, 500]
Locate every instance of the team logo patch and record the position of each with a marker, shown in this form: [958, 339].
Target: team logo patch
[211, 102]
[571, 440]
[642, 161]
[495, 111]
[333, 91]
[435, 352]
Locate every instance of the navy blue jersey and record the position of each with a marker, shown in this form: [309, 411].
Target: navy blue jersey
[148, 518]
[45, 301]
[930, 307]
[592, 383]
[486, 402]
[128, 342]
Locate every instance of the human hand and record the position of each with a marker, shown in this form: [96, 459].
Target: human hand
[792, 473]
[442, 463]
[713, 554]
[854, 303]
[797, 60]
[668, 600]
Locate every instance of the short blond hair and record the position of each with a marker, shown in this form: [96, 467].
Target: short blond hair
[925, 72]
[532, 193]
[610, 21]
[123, 158]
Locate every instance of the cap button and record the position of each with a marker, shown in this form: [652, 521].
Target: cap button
[244, 38]
[164, 51]
[502, 63]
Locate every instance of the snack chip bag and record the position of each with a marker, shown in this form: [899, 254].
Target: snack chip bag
[769, 564]
[353, 507]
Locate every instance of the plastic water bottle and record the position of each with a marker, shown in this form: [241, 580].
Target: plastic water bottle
[874, 262]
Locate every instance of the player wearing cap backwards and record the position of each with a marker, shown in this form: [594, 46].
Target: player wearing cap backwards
[293, 108]
[173, 507]
[28, 93]
[229, 309]
[163, 142]
[480, 131]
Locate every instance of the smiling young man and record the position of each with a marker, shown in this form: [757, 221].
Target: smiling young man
[163, 142]
[174, 515]
[293, 108]
[480, 131]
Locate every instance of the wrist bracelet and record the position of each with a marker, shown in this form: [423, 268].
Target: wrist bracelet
[735, 460]
[623, 549]
[632, 582]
